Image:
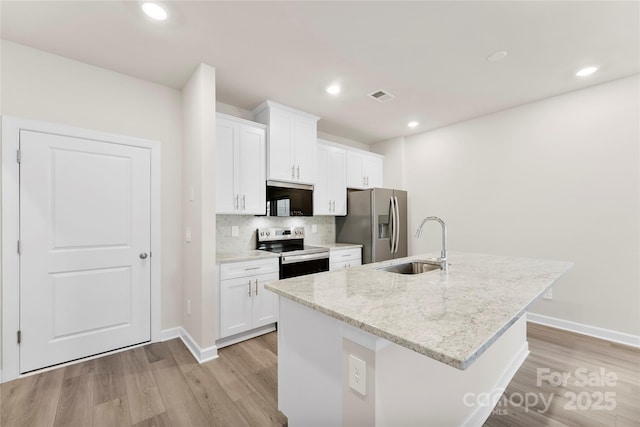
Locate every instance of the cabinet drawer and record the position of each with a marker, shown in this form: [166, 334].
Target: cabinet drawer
[234, 270]
[345, 255]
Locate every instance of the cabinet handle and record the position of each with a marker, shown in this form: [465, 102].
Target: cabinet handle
[236, 204]
[298, 172]
[334, 205]
[329, 205]
[293, 171]
[345, 255]
[256, 287]
[249, 288]
[367, 180]
[363, 180]
[251, 268]
[244, 204]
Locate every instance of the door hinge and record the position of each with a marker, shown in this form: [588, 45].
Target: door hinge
[19, 156]
[19, 337]
[19, 247]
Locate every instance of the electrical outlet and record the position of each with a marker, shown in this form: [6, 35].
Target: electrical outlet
[192, 195]
[358, 375]
[235, 231]
[188, 307]
[548, 294]
[187, 234]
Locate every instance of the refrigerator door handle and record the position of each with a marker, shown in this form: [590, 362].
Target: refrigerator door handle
[397, 226]
[393, 225]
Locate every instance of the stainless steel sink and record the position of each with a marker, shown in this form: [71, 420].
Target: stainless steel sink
[413, 267]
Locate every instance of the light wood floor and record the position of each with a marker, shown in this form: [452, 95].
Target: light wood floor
[162, 385]
[564, 352]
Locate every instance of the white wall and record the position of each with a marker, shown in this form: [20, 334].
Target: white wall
[556, 179]
[394, 171]
[41, 86]
[344, 141]
[199, 276]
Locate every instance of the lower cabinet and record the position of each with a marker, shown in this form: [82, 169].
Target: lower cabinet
[244, 303]
[340, 259]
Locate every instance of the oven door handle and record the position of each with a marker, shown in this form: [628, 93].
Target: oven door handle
[301, 258]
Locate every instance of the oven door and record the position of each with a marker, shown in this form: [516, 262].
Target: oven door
[300, 265]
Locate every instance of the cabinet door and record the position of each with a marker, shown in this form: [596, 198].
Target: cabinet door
[252, 188]
[280, 147]
[226, 166]
[265, 303]
[235, 305]
[355, 175]
[321, 201]
[337, 177]
[373, 171]
[305, 143]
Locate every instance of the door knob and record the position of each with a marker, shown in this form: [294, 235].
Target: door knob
[143, 255]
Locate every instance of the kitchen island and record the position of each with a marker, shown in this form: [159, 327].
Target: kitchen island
[434, 345]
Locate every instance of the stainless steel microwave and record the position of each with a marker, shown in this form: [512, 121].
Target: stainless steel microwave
[286, 199]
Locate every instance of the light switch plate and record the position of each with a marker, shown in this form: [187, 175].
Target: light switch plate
[187, 234]
[358, 375]
[235, 231]
[548, 294]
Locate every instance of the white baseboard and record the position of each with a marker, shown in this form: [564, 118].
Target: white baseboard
[482, 412]
[581, 328]
[200, 354]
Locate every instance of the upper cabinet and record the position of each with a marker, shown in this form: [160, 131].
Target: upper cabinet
[240, 166]
[330, 191]
[291, 143]
[364, 170]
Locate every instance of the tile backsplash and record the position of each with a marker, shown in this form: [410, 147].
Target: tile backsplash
[247, 226]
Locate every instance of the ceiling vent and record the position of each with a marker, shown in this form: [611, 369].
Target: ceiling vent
[381, 96]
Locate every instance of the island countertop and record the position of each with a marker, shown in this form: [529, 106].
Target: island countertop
[452, 317]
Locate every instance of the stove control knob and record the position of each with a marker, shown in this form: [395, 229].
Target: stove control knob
[268, 233]
[262, 233]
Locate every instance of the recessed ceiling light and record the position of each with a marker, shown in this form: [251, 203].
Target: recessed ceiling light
[497, 56]
[333, 89]
[154, 11]
[586, 71]
[412, 124]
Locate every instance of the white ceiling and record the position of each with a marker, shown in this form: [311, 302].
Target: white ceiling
[430, 55]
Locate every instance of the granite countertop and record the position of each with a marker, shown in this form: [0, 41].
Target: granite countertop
[222, 257]
[452, 317]
[334, 246]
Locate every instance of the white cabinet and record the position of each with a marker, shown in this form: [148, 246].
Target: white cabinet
[341, 259]
[244, 303]
[330, 191]
[291, 143]
[240, 166]
[364, 170]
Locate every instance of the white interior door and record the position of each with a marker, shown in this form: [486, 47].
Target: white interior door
[85, 240]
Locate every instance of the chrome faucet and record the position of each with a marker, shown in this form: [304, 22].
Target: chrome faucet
[443, 253]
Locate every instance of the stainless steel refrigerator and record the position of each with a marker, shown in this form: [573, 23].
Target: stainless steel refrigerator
[377, 219]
